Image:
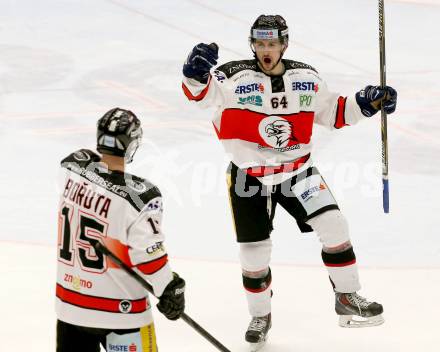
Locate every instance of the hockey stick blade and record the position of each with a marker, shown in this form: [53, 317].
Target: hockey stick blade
[186, 318]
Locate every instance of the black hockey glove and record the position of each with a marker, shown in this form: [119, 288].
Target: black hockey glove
[370, 97]
[199, 62]
[172, 302]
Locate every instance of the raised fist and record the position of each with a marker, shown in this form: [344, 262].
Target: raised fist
[200, 60]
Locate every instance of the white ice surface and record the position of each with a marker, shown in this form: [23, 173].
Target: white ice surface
[64, 63]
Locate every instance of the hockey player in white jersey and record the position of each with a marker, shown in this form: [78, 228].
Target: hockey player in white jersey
[97, 303]
[266, 109]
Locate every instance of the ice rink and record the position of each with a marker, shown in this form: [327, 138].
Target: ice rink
[63, 63]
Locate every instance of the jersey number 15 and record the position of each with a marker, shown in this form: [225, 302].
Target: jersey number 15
[89, 229]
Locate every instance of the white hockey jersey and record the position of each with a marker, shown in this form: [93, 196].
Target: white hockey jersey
[265, 122]
[124, 212]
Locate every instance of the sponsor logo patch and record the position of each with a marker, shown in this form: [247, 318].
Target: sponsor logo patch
[241, 66]
[312, 192]
[122, 348]
[265, 33]
[77, 283]
[157, 247]
[305, 100]
[251, 100]
[249, 88]
[305, 86]
[125, 306]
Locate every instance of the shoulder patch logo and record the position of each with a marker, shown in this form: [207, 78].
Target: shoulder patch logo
[154, 204]
[219, 76]
[81, 156]
[136, 186]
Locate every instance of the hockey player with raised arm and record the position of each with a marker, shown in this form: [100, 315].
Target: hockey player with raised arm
[266, 109]
[96, 301]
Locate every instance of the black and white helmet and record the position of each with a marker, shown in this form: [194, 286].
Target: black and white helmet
[119, 133]
[270, 27]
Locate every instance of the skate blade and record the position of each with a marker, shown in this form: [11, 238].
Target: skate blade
[254, 347]
[347, 321]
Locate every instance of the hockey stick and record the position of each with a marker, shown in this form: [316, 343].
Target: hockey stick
[385, 193]
[104, 250]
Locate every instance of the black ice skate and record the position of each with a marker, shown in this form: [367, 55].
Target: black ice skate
[351, 304]
[256, 333]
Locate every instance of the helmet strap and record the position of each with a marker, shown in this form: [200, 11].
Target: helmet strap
[131, 151]
[281, 55]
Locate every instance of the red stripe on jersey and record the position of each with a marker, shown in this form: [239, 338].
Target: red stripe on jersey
[198, 97]
[280, 131]
[260, 171]
[216, 130]
[340, 113]
[99, 303]
[351, 262]
[150, 268]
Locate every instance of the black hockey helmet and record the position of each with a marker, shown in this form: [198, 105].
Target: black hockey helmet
[119, 133]
[270, 27]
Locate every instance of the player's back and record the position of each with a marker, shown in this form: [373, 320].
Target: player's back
[97, 204]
